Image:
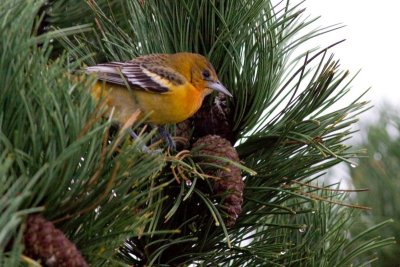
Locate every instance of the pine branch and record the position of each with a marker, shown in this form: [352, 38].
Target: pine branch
[57, 159]
[250, 45]
[165, 207]
[379, 172]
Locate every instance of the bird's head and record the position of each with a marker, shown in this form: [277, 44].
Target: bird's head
[199, 71]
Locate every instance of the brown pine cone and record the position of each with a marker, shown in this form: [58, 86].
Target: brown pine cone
[45, 243]
[183, 134]
[230, 185]
[214, 119]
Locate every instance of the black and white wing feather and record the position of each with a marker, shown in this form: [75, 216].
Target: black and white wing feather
[147, 73]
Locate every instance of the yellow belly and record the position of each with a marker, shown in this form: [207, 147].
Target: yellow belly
[172, 107]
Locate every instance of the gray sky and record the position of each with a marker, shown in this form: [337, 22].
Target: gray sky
[372, 43]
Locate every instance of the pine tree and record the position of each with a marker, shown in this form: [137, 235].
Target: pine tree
[379, 172]
[75, 192]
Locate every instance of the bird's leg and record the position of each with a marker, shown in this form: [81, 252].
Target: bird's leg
[133, 134]
[142, 146]
[167, 137]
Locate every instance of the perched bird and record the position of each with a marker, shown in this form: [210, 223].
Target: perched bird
[169, 88]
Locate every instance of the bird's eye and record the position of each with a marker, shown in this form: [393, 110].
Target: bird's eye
[206, 74]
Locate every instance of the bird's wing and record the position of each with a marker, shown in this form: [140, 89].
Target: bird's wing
[149, 73]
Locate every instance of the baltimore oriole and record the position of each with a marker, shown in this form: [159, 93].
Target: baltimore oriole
[168, 87]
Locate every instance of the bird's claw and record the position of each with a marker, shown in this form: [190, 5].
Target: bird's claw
[164, 134]
[143, 147]
[154, 152]
[167, 138]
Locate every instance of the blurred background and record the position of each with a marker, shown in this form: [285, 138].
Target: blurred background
[372, 46]
[372, 43]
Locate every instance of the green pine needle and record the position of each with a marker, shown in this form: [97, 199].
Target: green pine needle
[290, 116]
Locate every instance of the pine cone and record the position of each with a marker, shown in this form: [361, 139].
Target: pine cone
[230, 185]
[214, 119]
[49, 245]
[183, 132]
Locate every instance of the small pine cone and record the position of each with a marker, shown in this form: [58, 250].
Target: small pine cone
[45, 243]
[183, 132]
[230, 185]
[214, 119]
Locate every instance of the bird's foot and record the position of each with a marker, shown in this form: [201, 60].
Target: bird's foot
[143, 147]
[167, 138]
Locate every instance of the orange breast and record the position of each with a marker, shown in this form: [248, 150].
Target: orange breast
[180, 103]
[172, 107]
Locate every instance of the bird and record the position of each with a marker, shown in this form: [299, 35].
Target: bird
[165, 88]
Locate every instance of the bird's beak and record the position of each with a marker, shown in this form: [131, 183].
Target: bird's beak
[217, 86]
